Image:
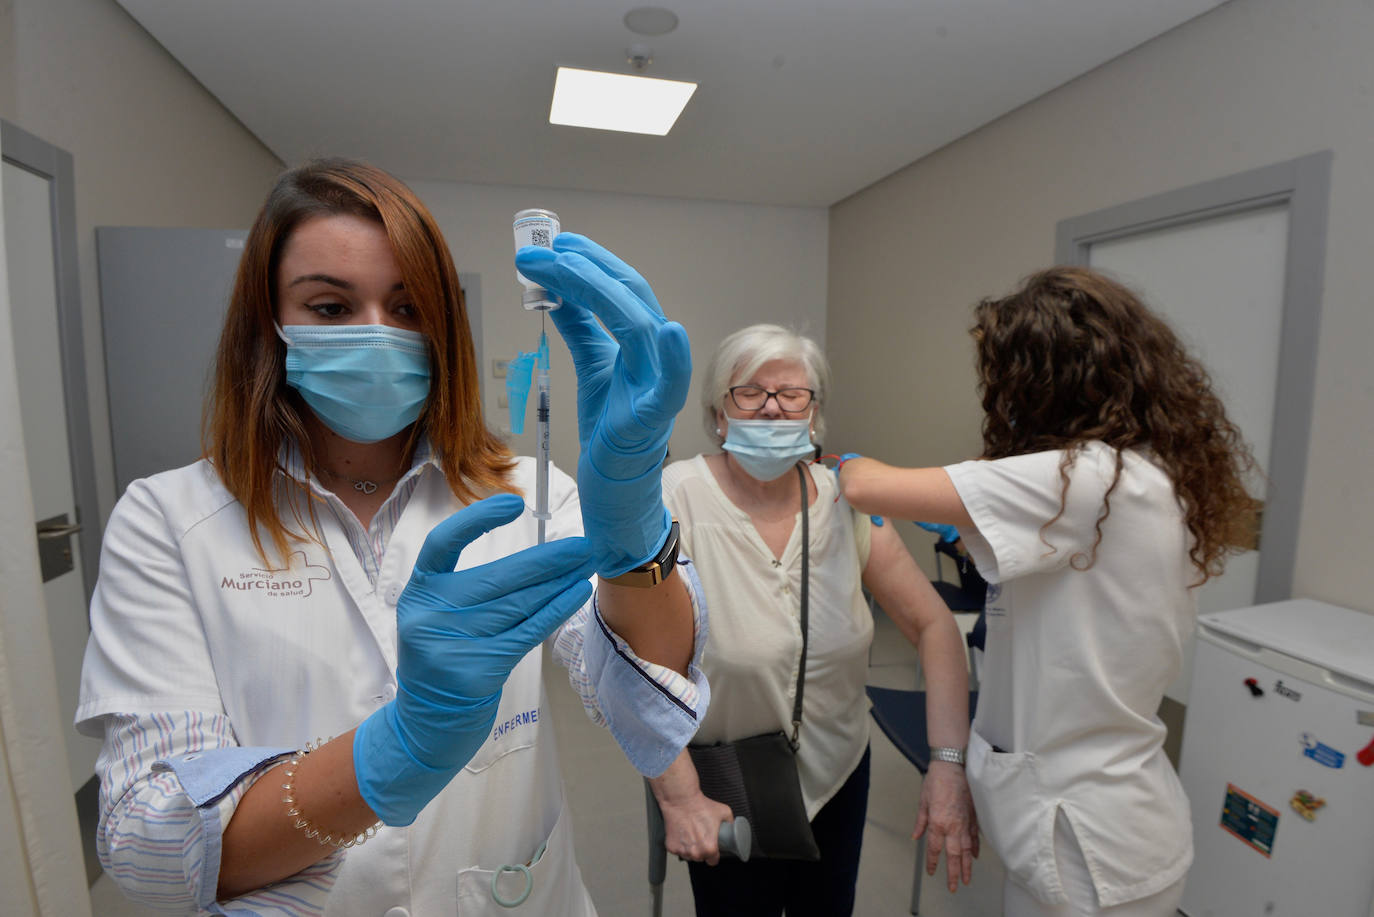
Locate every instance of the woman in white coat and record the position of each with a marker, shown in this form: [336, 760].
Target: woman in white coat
[300, 582]
[1111, 484]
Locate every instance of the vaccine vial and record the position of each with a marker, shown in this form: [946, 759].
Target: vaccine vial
[535, 227]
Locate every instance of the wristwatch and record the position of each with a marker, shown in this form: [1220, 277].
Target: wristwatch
[945, 753]
[656, 570]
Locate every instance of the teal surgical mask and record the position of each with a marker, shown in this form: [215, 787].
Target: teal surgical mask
[364, 382]
[767, 449]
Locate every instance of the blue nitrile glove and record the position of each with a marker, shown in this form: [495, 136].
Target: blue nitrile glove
[458, 637]
[630, 385]
[946, 532]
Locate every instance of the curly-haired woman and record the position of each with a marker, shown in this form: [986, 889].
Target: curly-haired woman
[1111, 484]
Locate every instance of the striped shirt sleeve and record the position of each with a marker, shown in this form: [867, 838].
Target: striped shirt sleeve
[650, 709]
[159, 846]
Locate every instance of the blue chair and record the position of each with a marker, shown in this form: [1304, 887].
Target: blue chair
[970, 592]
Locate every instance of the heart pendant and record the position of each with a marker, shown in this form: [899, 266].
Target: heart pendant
[366, 487]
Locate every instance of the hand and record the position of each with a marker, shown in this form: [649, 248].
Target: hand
[691, 820]
[946, 532]
[947, 814]
[691, 828]
[459, 634]
[630, 385]
[839, 461]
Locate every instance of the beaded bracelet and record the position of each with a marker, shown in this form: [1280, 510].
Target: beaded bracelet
[312, 830]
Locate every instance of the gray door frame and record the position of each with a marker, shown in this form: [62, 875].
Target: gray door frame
[1304, 185]
[24, 150]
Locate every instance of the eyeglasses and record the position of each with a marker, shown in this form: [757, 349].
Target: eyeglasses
[753, 398]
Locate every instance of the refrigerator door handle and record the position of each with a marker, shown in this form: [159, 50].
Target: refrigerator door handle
[1349, 684]
[1245, 647]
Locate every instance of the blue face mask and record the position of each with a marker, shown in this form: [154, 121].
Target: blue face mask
[364, 382]
[767, 449]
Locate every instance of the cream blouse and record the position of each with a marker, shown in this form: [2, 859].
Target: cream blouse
[754, 643]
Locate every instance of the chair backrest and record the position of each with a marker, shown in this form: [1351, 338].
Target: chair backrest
[978, 637]
[970, 592]
[969, 577]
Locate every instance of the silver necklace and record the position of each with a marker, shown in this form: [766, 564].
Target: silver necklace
[361, 485]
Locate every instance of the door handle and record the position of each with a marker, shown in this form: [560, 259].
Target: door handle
[58, 529]
[54, 545]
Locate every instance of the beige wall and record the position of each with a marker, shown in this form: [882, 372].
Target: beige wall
[150, 146]
[1252, 83]
[714, 267]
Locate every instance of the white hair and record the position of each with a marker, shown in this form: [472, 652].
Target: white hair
[743, 352]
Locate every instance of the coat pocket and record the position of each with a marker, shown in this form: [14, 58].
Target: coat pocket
[549, 883]
[1015, 815]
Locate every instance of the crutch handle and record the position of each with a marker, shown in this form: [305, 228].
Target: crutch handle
[736, 838]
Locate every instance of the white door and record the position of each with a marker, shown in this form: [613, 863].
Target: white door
[33, 299]
[1220, 282]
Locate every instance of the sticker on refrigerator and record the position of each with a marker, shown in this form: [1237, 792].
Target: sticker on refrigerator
[1322, 754]
[1306, 804]
[1249, 819]
[1282, 690]
[1366, 755]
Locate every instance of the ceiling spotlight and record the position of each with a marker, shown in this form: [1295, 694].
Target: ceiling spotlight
[639, 57]
[650, 20]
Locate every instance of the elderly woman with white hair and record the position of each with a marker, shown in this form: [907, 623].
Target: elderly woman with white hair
[740, 512]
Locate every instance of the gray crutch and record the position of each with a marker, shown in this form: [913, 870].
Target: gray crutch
[735, 839]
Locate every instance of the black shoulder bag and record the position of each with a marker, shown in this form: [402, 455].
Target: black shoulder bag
[757, 777]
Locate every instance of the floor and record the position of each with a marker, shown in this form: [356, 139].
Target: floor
[607, 800]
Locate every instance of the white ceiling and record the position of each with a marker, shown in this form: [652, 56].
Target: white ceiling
[801, 102]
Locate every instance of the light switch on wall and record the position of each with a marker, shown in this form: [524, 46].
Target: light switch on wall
[498, 367]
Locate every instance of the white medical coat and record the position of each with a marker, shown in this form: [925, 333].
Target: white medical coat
[186, 617]
[1076, 664]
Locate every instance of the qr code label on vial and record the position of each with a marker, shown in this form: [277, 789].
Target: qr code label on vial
[539, 235]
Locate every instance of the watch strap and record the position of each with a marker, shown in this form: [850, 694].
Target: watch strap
[655, 571]
[946, 753]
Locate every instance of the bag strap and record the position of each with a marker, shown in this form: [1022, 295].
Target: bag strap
[805, 582]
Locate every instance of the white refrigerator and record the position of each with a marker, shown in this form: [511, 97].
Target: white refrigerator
[1278, 763]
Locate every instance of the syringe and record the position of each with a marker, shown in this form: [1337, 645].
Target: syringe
[541, 432]
[538, 227]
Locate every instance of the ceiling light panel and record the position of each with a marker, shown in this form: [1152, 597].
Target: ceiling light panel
[617, 101]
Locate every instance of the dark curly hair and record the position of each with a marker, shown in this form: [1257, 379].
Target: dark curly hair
[1073, 356]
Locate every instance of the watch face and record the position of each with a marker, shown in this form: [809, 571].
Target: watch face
[667, 555]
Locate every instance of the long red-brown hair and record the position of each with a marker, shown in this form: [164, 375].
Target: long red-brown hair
[251, 413]
[1073, 356]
